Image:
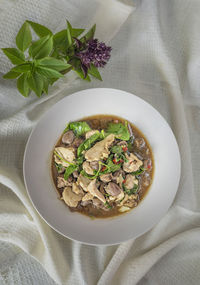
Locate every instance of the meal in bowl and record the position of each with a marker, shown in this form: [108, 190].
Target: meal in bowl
[102, 166]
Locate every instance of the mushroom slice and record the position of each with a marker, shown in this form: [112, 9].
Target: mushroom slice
[92, 188]
[70, 198]
[61, 182]
[76, 189]
[66, 154]
[87, 197]
[94, 165]
[68, 137]
[124, 209]
[83, 182]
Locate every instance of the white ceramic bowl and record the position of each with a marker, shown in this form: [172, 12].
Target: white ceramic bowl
[42, 192]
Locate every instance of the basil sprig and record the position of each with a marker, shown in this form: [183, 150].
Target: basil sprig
[39, 63]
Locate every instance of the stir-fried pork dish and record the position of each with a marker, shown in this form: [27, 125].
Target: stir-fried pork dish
[102, 166]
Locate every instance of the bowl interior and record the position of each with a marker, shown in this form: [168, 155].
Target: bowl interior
[37, 170]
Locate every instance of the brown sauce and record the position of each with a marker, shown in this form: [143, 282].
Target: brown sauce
[144, 153]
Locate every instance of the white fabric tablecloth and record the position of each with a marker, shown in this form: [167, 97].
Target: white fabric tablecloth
[156, 55]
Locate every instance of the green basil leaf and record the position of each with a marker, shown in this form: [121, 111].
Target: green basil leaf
[69, 37]
[24, 37]
[59, 167]
[94, 72]
[87, 143]
[25, 67]
[22, 85]
[138, 172]
[55, 54]
[41, 48]
[35, 82]
[120, 130]
[15, 55]
[117, 149]
[52, 80]
[108, 205]
[92, 177]
[60, 39]
[45, 85]
[69, 26]
[11, 75]
[130, 191]
[111, 167]
[54, 63]
[102, 135]
[81, 75]
[76, 32]
[40, 30]
[90, 34]
[48, 72]
[80, 160]
[79, 128]
[69, 170]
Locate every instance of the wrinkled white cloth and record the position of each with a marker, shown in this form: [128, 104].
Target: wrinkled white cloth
[156, 55]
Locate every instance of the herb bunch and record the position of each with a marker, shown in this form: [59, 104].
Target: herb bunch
[40, 63]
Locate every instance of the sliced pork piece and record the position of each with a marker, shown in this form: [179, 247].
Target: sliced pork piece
[91, 133]
[61, 182]
[106, 177]
[76, 189]
[83, 182]
[66, 153]
[133, 163]
[100, 149]
[113, 189]
[68, 137]
[88, 169]
[70, 198]
[92, 188]
[94, 165]
[130, 181]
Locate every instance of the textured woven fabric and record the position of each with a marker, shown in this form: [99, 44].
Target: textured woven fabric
[155, 56]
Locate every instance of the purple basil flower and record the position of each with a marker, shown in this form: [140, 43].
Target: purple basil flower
[96, 52]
